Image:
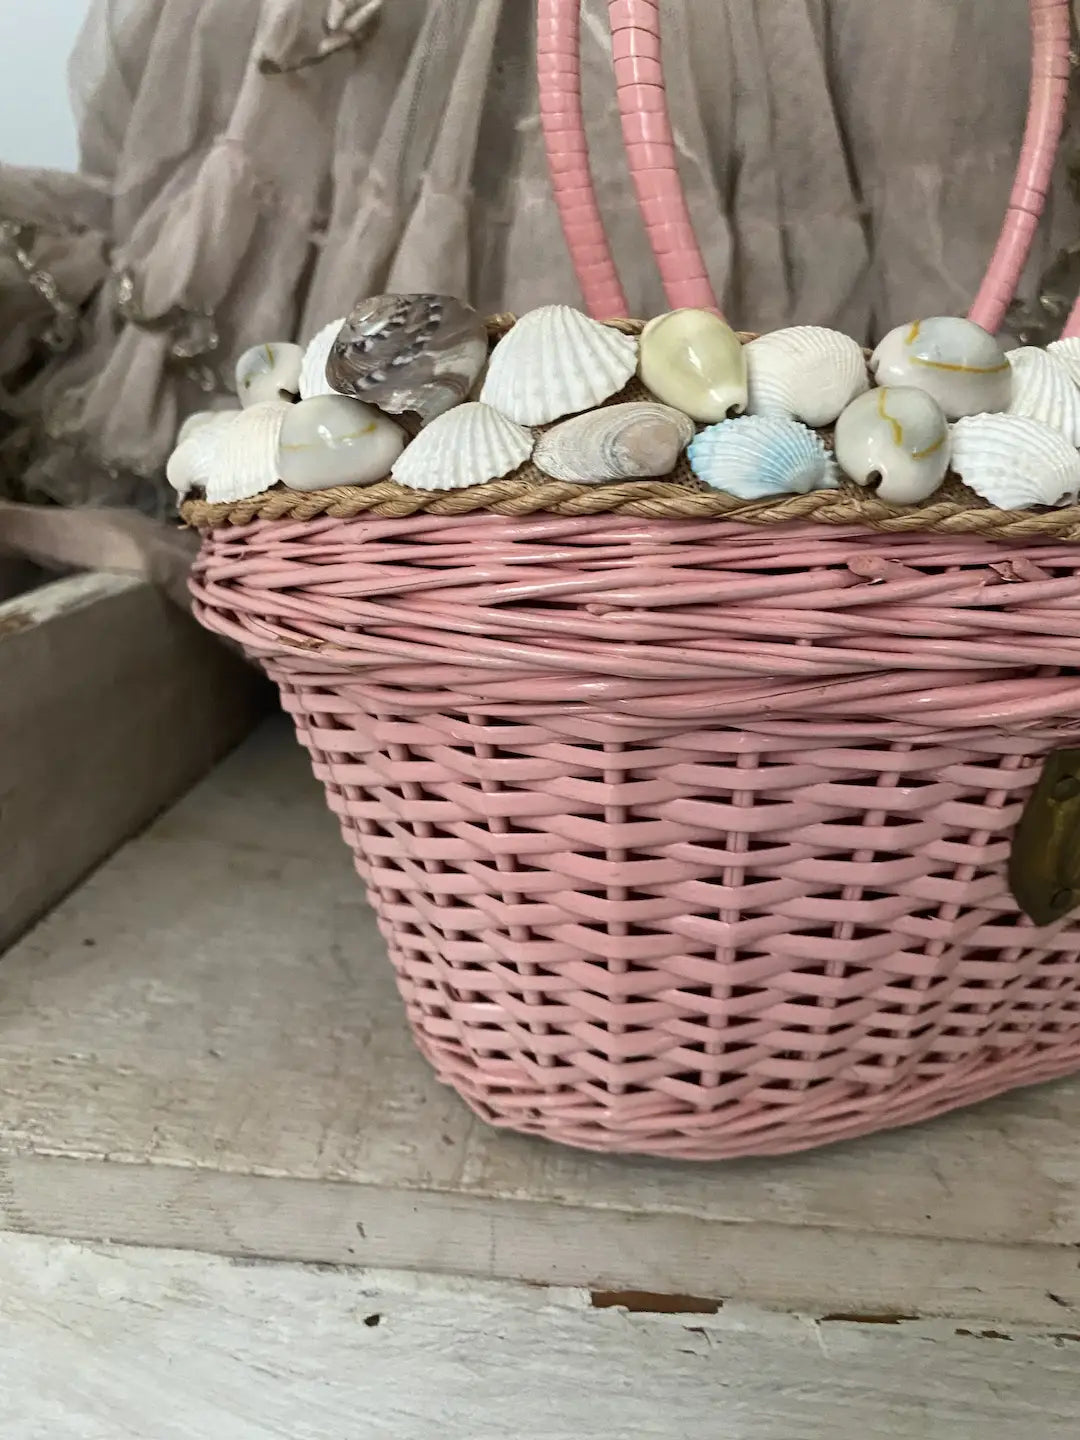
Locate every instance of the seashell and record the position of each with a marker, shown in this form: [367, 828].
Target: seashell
[1068, 353]
[898, 434]
[416, 353]
[693, 360]
[556, 362]
[194, 460]
[199, 418]
[1043, 389]
[760, 455]
[313, 379]
[335, 440]
[232, 459]
[806, 373]
[956, 361]
[269, 372]
[466, 446]
[245, 460]
[1015, 462]
[621, 442]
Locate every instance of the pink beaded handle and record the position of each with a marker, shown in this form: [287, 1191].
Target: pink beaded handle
[559, 74]
[650, 148]
[1042, 134]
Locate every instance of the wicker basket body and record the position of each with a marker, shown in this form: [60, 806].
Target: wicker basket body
[686, 837]
[686, 821]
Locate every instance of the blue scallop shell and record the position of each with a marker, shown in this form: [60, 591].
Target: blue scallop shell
[755, 456]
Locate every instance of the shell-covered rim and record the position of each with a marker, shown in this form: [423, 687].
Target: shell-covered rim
[954, 509]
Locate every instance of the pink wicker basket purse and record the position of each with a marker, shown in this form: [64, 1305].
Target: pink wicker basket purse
[688, 821]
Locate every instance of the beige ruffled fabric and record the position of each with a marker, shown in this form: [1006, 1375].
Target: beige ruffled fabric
[250, 169]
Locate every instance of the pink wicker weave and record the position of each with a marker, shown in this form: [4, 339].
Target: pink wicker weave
[684, 838]
[688, 837]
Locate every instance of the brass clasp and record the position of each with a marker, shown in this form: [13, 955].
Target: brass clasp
[1044, 864]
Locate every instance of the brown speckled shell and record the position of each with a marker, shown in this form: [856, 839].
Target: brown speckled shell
[409, 353]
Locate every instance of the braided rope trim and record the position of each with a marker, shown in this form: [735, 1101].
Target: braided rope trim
[529, 492]
[649, 500]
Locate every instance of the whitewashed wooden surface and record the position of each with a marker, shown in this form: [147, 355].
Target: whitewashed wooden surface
[136, 1345]
[112, 703]
[203, 1048]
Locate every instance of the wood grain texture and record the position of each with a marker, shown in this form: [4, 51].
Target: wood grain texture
[203, 1048]
[112, 702]
[125, 1345]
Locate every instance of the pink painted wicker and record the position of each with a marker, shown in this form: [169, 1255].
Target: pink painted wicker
[686, 836]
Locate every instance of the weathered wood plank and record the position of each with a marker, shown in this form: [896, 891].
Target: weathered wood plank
[784, 1267]
[112, 702]
[203, 1048]
[127, 1345]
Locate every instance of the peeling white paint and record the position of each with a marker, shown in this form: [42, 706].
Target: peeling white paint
[124, 1344]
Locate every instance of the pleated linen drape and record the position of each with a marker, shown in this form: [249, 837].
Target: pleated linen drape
[847, 163]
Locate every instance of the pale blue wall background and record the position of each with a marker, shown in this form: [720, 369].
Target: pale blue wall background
[36, 124]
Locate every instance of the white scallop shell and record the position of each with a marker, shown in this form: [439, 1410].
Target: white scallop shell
[899, 435]
[758, 455]
[693, 360]
[556, 362]
[198, 418]
[268, 372]
[335, 440]
[805, 373]
[1043, 389]
[620, 442]
[956, 361]
[245, 452]
[195, 460]
[464, 446]
[1015, 462]
[313, 379]
[1068, 352]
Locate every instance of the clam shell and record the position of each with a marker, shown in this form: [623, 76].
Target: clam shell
[1068, 353]
[758, 455]
[1015, 462]
[1043, 389]
[693, 360]
[621, 442]
[899, 435]
[245, 452]
[957, 362]
[409, 353]
[467, 446]
[335, 440]
[556, 362]
[313, 379]
[268, 372]
[805, 373]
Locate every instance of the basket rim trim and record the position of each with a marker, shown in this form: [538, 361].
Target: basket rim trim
[956, 511]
